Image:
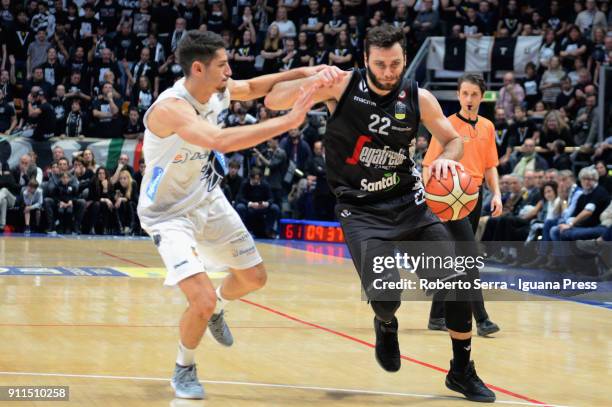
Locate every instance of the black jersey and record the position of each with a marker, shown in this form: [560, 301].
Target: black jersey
[368, 143]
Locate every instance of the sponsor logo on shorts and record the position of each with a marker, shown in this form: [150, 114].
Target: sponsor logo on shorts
[241, 252]
[241, 238]
[387, 182]
[176, 266]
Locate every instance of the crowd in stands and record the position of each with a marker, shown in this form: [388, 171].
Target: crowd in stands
[92, 68]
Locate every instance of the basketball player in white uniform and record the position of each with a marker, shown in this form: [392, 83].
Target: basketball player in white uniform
[181, 207]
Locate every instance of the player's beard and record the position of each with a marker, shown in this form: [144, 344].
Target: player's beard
[381, 85]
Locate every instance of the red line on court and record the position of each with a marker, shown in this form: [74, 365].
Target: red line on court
[371, 345]
[124, 259]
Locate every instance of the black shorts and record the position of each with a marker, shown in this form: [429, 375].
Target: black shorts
[369, 229]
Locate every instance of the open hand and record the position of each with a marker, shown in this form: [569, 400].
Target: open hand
[441, 166]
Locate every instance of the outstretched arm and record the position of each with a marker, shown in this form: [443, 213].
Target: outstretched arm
[177, 116]
[442, 129]
[330, 84]
[262, 85]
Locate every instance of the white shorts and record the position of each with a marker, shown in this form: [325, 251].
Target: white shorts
[210, 238]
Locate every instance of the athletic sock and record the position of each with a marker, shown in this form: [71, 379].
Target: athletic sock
[461, 353]
[221, 302]
[185, 357]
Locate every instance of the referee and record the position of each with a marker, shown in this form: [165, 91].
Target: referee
[480, 161]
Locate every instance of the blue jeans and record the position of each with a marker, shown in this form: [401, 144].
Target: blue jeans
[580, 233]
[544, 245]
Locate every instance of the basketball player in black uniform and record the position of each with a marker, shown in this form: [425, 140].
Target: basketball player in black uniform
[375, 117]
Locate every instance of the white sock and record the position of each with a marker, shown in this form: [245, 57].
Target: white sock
[221, 302]
[185, 357]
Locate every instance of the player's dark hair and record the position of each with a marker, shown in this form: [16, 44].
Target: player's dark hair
[198, 46]
[385, 36]
[474, 79]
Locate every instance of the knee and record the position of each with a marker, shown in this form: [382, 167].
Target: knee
[458, 316]
[385, 310]
[257, 278]
[204, 303]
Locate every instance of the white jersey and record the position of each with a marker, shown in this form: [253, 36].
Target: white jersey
[179, 176]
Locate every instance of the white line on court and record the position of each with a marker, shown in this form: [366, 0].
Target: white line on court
[273, 385]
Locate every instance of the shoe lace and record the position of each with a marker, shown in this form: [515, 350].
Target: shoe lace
[217, 328]
[187, 375]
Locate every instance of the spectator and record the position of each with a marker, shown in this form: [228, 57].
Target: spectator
[143, 96]
[101, 195]
[53, 70]
[191, 13]
[133, 128]
[8, 117]
[56, 187]
[590, 18]
[472, 25]
[83, 176]
[560, 160]
[321, 51]
[106, 113]
[286, 27]
[105, 64]
[164, 17]
[530, 160]
[125, 43]
[126, 200]
[78, 89]
[274, 162]
[19, 45]
[504, 140]
[511, 19]
[531, 84]
[521, 128]
[60, 108]
[9, 190]
[323, 200]
[567, 97]
[217, 17]
[244, 57]
[512, 201]
[271, 50]
[109, 12]
[297, 150]
[7, 88]
[426, 23]
[233, 180]
[605, 180]
[65, 195]
[37, 51]
[585, 119]
[180, 30]
[572, 47]
[31, 201]
[337, 21]
[141, 19]
[548, 49]
[75, 120]
[342, 55]
[139, 174]
[554, 128]
[254, 203]
[40, 110]
[510, 95]
[123, 164]
[314, 21]
[556, 19]
[90, 159]
[38, 81]
[551, 81]
[157, 51]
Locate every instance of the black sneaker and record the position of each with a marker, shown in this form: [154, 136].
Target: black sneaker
[469, 384]
[387, 347]
[487, 327]
[437, 324]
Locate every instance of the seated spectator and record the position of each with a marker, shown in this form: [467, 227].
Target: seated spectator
[83, 175]
[511, 20]
[126, 200]
[605, 180]
[9, 191]
[25, 171]
[342, 54]
[472, 25]
[60, 108]
[521, 128]
[271, 50]
[584, 122]
[101, 195]
[106, 113]
[548, 49]
[31, 200]
[139, 174]
[510, 95]
[122, 164]
[144, 67]
[64, 197]
[512, 203]
[254, 204]
[233, 180]
[133, 127]
[6, 85]
[52, 194]
[572, 47]
[301, 197]
[8, 117]
[505, 141]
[90, 160]
[286, 27]
[105, 64]
[560, 159]
[75, 121]
[143, 96]
[323, 200]
[554, 128]
[567, 97]
[530, 160]
[321, 50]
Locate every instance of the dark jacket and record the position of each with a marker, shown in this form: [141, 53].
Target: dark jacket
[254, 193]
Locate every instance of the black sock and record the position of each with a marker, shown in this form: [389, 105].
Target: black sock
[461, 353]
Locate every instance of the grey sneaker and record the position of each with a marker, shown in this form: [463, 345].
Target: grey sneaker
[437, 324]
[186, 384]
[219, 330]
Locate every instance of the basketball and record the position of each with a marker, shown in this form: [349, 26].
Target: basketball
[452, 198]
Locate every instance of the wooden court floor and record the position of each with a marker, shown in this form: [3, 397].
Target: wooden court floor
[304, 340]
